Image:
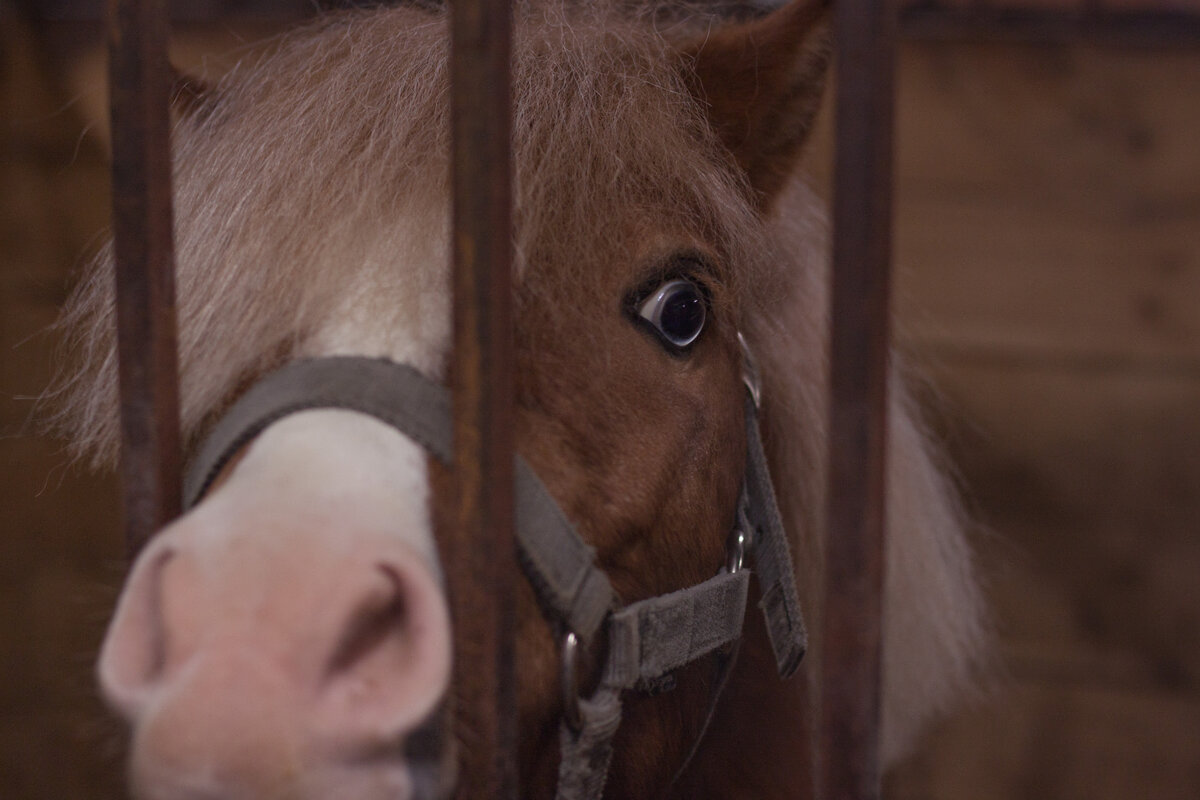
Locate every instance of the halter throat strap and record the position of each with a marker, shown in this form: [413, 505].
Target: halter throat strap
[646, 640]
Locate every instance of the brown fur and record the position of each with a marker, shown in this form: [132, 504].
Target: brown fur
[631, 149]
[763, 83]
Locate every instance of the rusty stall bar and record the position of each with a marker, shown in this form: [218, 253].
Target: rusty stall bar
[848, 742]
[480, 553]
[140, 85]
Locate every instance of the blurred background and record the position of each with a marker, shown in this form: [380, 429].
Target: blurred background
[1048, 283]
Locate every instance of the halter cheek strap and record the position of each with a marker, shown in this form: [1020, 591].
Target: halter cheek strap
[646, 640]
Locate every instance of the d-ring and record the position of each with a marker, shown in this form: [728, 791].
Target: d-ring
[570, 682]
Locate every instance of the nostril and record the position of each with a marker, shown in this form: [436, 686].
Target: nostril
[390, 661]
[133, 657]
[375, 624]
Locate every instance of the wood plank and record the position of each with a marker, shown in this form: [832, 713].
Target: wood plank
[1093, 481]
[999, 274]
[1063, 742]
[60, 548]
[1050, 202]
[1089, 483]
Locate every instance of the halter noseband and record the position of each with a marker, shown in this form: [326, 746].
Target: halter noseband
[648, 639]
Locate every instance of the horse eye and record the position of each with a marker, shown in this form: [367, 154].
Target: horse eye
[676, 310]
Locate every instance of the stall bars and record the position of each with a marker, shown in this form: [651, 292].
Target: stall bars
[847, 748]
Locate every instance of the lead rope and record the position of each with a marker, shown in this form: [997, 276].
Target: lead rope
[646, 640]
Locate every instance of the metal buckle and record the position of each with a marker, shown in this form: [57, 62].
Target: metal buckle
[750, 374]
[570, 682]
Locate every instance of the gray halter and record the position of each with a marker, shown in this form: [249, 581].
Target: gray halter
[648, 639]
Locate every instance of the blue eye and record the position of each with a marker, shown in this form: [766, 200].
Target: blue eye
[676, 310]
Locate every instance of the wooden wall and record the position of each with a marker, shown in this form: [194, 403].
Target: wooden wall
[59, 547]
[1049, 282]
[1049, 275]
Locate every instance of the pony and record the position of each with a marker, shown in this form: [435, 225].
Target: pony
[290, 635]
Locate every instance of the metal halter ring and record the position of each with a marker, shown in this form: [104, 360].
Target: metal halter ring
[735, 550]
[570, 682]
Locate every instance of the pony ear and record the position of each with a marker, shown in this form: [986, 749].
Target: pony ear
[189, 94]
[762, 82]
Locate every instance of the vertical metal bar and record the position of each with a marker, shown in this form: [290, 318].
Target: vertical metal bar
[139, 78]
[849, 747]
[481, 558]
